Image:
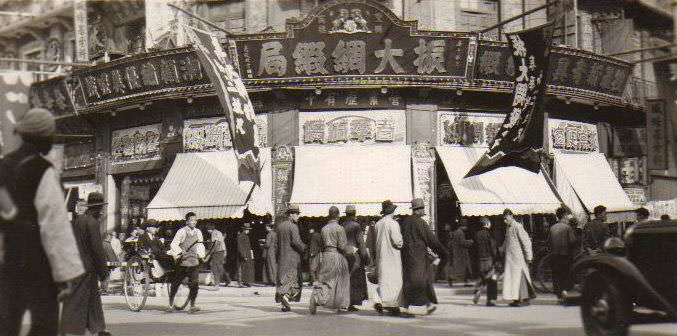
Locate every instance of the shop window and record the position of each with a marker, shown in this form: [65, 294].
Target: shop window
[476, 15]
[228, 14]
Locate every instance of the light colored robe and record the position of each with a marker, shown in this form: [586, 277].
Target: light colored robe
[517, 247]
[389, 261]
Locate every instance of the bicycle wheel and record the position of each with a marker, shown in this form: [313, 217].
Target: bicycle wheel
[544, 275]
[136, 283]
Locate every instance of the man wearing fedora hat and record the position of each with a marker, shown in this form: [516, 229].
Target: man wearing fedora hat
[357, 257]
[416, 260]
[40, 252]
[83, 310]
[389, 261]
[289, 251]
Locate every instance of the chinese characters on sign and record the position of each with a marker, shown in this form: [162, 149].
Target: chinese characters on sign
[352, 99]
[136, 144]
[572, 136]
[467, 129]
[587, 73]
[205, 135]
[636, 195]
[520, 138]
[352, 127]
[656, 135]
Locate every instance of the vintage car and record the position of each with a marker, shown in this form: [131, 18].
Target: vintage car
[633, 281]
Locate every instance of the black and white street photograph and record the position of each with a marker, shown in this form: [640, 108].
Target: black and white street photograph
[338, 167]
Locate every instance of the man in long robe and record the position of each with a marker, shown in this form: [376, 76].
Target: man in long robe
[332, 288]
[517, 286]
[461, 269]
[270, 256]
[357, 258]
[245, 257]
[289, 251]
[417, 267]
[83, 310]
[389, 261]
[38, 244]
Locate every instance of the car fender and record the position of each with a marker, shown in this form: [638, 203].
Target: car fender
[632, 277]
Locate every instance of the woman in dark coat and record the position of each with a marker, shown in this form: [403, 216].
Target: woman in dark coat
[245, 257]
[417, 267]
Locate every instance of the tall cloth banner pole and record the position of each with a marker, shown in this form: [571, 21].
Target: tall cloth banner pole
[234, 100]
[519, 141]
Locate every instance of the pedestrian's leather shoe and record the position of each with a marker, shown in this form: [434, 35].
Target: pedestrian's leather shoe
[431, 309]
[194, 309]
[104, 333]
[353, 309]
[379, 308]
[285, 303]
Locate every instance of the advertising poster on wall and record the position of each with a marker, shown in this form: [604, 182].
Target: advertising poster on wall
[572, 137]
[136, 144]
[467, 128]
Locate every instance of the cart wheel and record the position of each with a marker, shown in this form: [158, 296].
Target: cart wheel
[181, 298]
[544, 275]
[136, 283]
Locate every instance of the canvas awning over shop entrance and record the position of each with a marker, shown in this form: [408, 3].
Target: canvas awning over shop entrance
[361, 175]
[206, 184]
[490, 193]
[588, 179]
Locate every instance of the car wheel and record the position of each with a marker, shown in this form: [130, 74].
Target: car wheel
[605, 308]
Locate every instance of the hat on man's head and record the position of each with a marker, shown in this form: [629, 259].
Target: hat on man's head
[350, 209]
[95, 198]
[417, 203]
[387, 207]
[293, 208]
[37, 122]
[150, 223]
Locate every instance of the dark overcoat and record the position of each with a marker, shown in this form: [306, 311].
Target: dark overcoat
[83, 310]
[461, 268]
[244, 250]
[289, 251]
[417, 268]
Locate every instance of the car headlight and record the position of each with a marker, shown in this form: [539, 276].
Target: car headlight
[615, 246]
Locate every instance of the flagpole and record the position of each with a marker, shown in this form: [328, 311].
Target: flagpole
[205, 21]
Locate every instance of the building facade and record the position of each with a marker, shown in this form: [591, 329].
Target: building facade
[394, 95]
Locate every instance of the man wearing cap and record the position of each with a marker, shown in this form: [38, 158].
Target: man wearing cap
[417, 268]
[245, 275]
[289, 251]
[389, 261]
[189, 251]
[83, 309]
[357, 256]
[39, 244]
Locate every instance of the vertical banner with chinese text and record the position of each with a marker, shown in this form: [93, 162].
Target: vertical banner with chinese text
[81, 34]
[520, 138]
[234, 100]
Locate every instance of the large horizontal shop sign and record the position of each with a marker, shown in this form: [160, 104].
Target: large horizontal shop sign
[357, 43]
[363, 127]
[467, 128]
[572, 136]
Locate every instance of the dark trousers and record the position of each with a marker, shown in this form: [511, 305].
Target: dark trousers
[38, 297]
[561, 279]
[193, 275]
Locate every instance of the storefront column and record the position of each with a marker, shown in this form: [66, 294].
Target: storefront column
[111, 198]
[423, 158]
[283, 158]
[124, 203]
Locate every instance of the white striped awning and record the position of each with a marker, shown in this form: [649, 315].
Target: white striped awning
[206, 184]
[490, 193]
[363, 176]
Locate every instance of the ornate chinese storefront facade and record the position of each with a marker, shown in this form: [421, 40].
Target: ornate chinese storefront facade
[350, 76]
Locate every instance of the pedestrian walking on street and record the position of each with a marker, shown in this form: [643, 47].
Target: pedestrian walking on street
[357, 257]
[389, 261]
[314, 250]
[332, 288]
[270, 256]
[596, 232]
[188, 249]
[290, 248]
[83, 309]
[41, 257]
[217, 257]
[562, 240]
[486, 253]
[417, 261]
[517, 285]
[245, 257]
[461, 269]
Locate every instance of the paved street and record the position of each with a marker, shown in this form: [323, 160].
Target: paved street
[251, 311]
